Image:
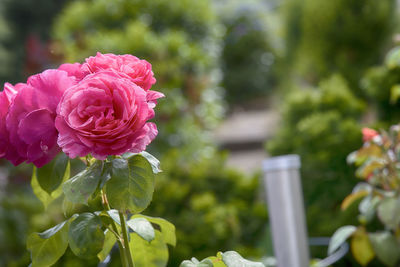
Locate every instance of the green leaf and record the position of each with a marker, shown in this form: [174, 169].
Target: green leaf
[46, 251]
[109, 242]
[394, 93]
[114, 215]
[85, 235]
[149, 254]
[233, 259]
[353, 197]
[392, 59]
[212, 261]
[386, 247]
[142, 227]
[195, 263]
[368, 206]
[104, 217]
[131, 185]
[52, 231]
[79, 188]
[167, 228]
[51, 175]
[389, 212]
[361, 247]
[68, 207]
[217, 261]
[154, 162]
[106, 174]
[370, 165]
[41, 194]
[339, 237]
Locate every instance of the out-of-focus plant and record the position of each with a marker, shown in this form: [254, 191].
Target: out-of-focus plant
[247, 54]
[382, 87]
[25, 31]
[213, 208]
[321, 125]
[378, 199]
[325, 37]
[344, 36]
[229, 259]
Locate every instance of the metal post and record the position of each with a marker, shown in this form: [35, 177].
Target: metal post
[286, 210]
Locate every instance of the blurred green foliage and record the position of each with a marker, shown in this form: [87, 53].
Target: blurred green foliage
[380, 84]
[343, 36]
[321, 125]
[21, 213]
[329, 47]
[213, 208]
[19, 21]
[16, 214]
[377, 198]
[247, 55]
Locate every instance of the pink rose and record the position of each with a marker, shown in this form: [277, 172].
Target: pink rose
[138, 70]
[105, 114]
[31, 116]
[74, 70]
[6, 98]
[369, 134]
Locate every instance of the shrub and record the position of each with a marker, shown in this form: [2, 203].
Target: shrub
[212, 207]
[247, 56]
[380, 84]
[336, 36]
[24, 30]
[377, 197]
[321, 125]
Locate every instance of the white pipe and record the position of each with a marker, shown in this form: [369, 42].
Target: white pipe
[286, 210]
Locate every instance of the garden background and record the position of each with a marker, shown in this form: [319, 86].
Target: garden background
[322, 65]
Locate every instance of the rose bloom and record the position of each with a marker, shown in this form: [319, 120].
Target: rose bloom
[105, 114]
[369, 134]
[138, 70]
[29, 124]
[6, 98]
[74, 70]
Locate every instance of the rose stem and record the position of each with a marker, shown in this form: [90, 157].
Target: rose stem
[114, 226]
[126, 240]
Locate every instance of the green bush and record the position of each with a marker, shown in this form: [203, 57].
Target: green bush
[374, 241]
[344, 36]
[247, 56]
[213, 208]
[321, 116]
[380, 84]
[21, 213]
[20, 21]
[321, 125]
